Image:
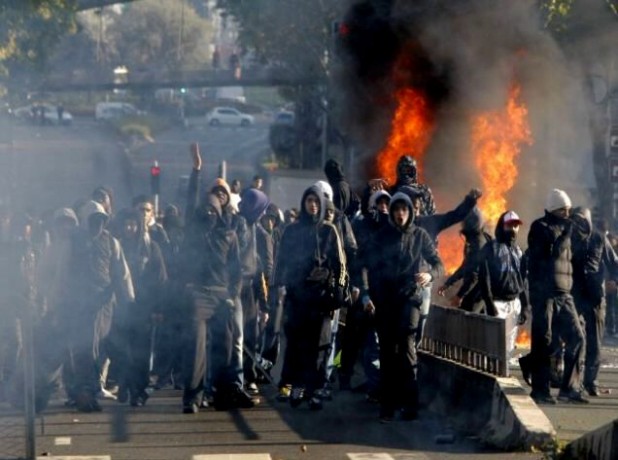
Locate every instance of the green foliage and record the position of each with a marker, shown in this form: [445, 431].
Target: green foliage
[295, 34]
[162, 35]
[30, 29]
[144, 127]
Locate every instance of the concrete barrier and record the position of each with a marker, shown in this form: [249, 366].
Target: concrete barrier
[600, 444]
[496, 409]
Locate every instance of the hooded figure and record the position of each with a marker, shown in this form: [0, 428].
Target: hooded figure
[100, 279]
[407, 175]
[257, 266]
[502, 275]
[212, 279]
[593, 259]
[345, 200]
[310, 259]
[468, 296]
[149, 277]
[404, 261]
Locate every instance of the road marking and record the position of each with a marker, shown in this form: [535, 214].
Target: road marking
[384, 456]
[64, 441]
[232, 457]
[78, 457]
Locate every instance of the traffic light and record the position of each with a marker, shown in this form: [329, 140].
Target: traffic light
[155, 178]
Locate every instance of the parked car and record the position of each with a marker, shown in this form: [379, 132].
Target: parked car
[228, 116]
[109, 110]
[51, 113]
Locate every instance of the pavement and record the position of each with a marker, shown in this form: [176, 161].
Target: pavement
[573, 420]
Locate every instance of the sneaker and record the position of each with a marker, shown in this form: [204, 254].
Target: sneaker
[315, 403]
[543, 399]
[204, 404]
[252, 389]
[140, 399]
[190, 408]
[572, 397]
[85, 402]
[592, 390]
[284, 393]
[296, 396]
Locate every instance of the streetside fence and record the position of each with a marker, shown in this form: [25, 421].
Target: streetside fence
[470, 339]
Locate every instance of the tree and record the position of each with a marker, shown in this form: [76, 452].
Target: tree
[162, 34]
[586, 32]
[30, 29]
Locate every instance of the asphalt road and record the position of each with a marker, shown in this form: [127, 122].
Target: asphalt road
[46, 167]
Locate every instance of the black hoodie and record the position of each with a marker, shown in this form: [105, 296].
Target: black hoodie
[342, 195]
[397, 255]
[501, 270]
[210, 253]
[306, 244]
[592, 256]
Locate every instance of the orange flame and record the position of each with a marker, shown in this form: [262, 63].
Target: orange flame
[411, 131]
[497, 139]
[524, 340]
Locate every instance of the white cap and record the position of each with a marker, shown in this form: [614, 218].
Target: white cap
[557, 199]
[511, 217]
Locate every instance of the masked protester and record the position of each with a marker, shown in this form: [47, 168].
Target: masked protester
[360, 334]
[407, 175]
[149, 278]
[236, 223]
[501, 275]
[593, 258]
[554, 315]
[343, 197]
[403, 261]
[100, 282]
[257, 267]
[468, 296]
[212, 280]
[311, 269]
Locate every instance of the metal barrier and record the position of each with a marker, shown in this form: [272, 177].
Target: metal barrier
[470, 339]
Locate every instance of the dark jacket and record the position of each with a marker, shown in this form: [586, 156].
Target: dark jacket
[476, 239]
[398, 254]
[307, 244]
[365, 230]
[436, 223]
[342, 194]
[549, 250]
[592, 258]
[211, 255]
[501, 274]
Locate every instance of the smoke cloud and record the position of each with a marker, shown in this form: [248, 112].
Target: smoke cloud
[465, 56]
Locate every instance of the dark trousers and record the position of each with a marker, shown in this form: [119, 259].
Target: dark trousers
[554, 319]
[397, 329]
[304, 330]
[594, 319]
[195, 339]
[250, 330]
[271, 335]
[359, 337]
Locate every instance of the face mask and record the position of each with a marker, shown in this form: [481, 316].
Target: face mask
[208, 217]
[510, 235]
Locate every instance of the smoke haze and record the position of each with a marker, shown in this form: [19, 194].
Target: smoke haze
[465, 56]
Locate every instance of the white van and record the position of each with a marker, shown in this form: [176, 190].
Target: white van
[109, 110]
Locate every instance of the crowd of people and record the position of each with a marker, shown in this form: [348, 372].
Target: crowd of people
[210, 299]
